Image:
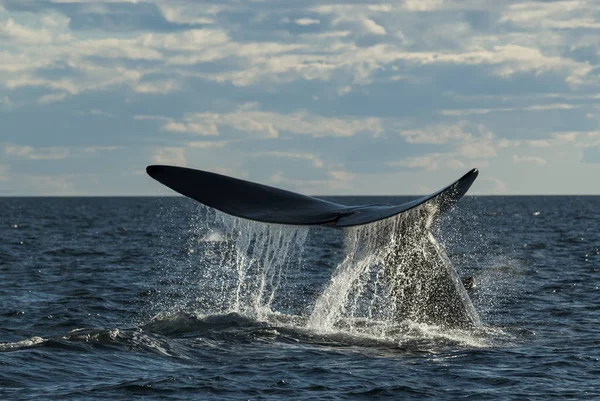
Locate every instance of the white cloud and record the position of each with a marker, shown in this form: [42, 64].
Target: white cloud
[372, 27]
[535, 107]
[268, 124]
[170, 155]
[307, 21]
[96, 112]
[11, 30]
[89, 77]
[31, 153]
[52, 97]
[208, 129]
[6, 104]
[99, 149]
[139, 48]
[146, 117]
[467, 140]
[562, 14]
[336, 181]
[45, 185]
[426, 163]
[456, 164]
[182, 13]
[314, 160]
[437, 134]
[566, 136]
[162, 87]
[320, 56]
[341, 175]
[477, 150]
[208, 144]
[437, 161]
[573, 136]
[533, 143]
[423, 5]
[478, 62]
[528, 160]
[498, 186]
[277, 178]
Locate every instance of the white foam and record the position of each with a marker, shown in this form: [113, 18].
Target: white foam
[30, 342]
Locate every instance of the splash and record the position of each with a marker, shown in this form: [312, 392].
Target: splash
[393, 274]
[237, 266]
[394, 270]
[262, 255]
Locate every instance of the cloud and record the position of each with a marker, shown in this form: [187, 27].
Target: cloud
[160, 87]
[50, 185]
[209, 129]
[6, 104]
[423, 5]
[496, 186]
[188, 14]
[438, 134]
[455, 164]
[333, 93]
[109, 16]
[307, 21]
[560, 15]
[566, 136]
[170, 155]
[437, 161]
[477, 150]
[314, 160]
[100, 149]
[534, 143]
[528, 160]
[52, 97]
[208, 144]
[535, 107]
[31, 153]
[9, 29]
[264, 124]
[180, 47]
[465, 140]
[372, 27]
[337, 180]
[427, 163]
[342, 176]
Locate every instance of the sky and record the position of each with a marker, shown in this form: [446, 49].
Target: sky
[319, 97]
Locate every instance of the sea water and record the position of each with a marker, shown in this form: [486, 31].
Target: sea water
[127, 298]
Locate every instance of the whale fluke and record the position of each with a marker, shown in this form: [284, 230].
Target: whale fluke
[419, 276]
[267, 204]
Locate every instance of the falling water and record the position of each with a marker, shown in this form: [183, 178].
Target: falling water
[244, 263]
[392, 271]
[263, 253]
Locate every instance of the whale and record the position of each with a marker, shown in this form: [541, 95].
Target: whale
[420, 277]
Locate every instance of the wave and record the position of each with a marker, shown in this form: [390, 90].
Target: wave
[171, 334]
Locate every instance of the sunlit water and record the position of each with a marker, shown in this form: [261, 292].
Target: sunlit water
[125, 298]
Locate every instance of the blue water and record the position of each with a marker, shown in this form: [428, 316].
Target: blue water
[140, 298]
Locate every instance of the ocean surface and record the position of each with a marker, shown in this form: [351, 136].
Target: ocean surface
[160, 298]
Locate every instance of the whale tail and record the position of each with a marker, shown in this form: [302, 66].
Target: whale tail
[420, 277]
[267, 204]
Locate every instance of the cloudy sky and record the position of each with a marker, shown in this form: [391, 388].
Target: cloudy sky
[354, 97]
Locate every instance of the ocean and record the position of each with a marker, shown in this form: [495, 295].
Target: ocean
[160, 298]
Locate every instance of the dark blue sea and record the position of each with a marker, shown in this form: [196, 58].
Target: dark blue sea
[160, 298]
